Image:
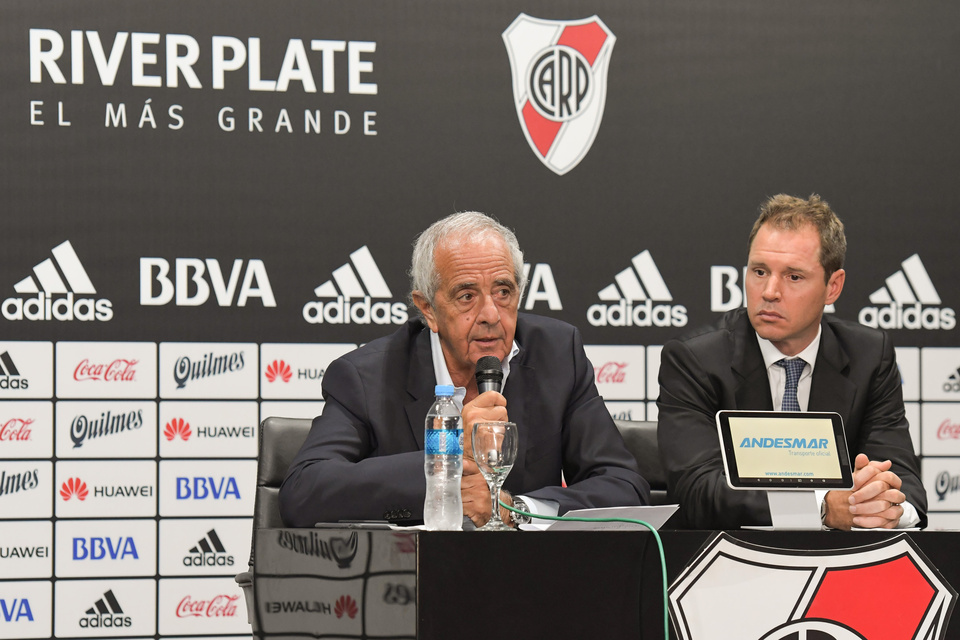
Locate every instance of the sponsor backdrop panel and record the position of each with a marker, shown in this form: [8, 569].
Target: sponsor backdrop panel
[164, 306]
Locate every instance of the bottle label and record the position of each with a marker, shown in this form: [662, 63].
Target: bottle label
[443, 442]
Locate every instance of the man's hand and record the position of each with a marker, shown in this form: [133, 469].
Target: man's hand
[874, 501]
[476, 496]
[486, 407]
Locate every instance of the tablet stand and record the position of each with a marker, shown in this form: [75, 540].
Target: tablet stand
[794, 510]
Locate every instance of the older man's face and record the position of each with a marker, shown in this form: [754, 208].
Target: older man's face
[475, 308]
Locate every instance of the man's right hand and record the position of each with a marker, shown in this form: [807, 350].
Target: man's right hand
[487, 407]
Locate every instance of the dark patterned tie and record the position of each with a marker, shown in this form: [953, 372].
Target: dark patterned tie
[793, 368]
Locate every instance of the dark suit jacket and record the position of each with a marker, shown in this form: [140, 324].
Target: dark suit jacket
[721, 367]
[363, 458]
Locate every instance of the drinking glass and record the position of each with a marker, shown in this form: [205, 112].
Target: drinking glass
[495, 451]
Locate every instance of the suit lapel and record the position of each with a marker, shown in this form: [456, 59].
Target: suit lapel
[830, 389]
[421, 381]
[753, 391]
[515, 390]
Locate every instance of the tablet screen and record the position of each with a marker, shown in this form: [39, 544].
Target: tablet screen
[784, 450]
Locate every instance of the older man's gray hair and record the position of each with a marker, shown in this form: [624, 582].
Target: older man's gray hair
[448, 232]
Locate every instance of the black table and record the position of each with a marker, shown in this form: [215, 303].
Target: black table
[577, 584]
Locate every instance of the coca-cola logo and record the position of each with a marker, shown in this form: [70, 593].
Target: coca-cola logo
[120, 370]
[221, 606]
[946, 431]
[611, 373]
[15, 429]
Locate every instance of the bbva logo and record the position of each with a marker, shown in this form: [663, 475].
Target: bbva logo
[207, 488]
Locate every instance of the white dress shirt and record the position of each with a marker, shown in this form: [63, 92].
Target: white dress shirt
[541, 507]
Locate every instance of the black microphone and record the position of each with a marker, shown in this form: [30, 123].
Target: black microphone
[489, 374]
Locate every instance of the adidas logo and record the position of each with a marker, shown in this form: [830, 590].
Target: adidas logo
[910, 301]
[639, 283]
[106, 613]
[209, 552]
[953, 382]
[63, 275]
[10, 375]
[350, 291]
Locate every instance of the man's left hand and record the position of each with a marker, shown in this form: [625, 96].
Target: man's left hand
[476, 495]
[874, 501]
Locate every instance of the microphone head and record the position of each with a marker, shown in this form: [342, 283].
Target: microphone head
[489, 374]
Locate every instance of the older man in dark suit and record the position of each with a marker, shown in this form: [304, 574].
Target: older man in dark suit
[781, 353]
[363, 458]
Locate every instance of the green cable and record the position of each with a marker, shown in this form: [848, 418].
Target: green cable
[653, 530]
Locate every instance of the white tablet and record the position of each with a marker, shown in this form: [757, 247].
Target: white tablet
[784, 450]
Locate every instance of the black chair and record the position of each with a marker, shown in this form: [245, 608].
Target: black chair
[641, 440]
[279, 441]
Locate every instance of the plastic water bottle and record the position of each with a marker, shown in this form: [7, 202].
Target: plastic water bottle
[443, 463]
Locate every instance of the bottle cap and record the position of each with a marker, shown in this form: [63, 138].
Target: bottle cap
[443, 390]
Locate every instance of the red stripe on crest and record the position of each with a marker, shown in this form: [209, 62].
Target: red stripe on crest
[587, 38]
[542, 131]
[850, 596]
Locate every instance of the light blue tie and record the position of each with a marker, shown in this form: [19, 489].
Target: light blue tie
[793, 368]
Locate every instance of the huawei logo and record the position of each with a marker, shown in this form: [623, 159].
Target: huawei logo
[177, 427]
[278, 369]
[345, 605]
[74, 487]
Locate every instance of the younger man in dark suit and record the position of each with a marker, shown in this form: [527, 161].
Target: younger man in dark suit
[781, 353]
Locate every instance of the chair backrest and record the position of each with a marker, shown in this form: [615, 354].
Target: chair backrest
[641, 440]
[280, 440]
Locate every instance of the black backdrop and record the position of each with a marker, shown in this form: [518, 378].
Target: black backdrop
[709, 109]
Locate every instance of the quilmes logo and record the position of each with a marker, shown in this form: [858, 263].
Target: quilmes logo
[11, 483]
[9, 374]
[83, 428]
[208, 552]
[191, 289]
[209, 365]
[559, 73]
[340, 550]
[908, 301]
[58, 291]
[630, 301]
[349, 301]
[278, 370]
[106, 613]
[946, 484]
[16, 610]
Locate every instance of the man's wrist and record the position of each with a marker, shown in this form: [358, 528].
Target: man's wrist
[517, 519]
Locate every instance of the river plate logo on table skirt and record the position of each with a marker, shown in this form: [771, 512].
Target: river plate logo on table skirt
[737, 589]
[559, 84]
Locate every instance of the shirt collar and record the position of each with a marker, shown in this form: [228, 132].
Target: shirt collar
[442, 374]
[771, 355]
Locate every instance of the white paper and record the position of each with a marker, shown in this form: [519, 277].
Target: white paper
[655, 516]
